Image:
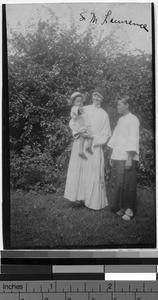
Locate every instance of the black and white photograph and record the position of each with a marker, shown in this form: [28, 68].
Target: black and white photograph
[81, 115]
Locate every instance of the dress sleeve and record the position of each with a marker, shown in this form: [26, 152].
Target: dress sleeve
[133, 136]
[103, 131]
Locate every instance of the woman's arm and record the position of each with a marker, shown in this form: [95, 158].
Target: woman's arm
[87, 135]
[76, 133]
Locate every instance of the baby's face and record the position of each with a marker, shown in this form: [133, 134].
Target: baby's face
[78, 101]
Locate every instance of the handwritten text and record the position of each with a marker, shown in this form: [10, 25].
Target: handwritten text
[112, 20]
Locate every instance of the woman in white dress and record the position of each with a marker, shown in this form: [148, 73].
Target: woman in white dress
[85, 178]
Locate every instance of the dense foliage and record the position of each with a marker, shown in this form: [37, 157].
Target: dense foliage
[48, 64]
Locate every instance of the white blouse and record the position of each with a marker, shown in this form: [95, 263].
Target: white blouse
[125, 138]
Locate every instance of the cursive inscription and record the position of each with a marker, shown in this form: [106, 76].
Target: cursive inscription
[94, 19]
[112, 20]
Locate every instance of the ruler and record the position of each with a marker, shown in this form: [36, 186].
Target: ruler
[78, 290]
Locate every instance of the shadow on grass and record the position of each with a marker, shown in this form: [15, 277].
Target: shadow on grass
[51, 222]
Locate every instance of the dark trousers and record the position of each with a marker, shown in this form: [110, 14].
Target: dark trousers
[123, 183]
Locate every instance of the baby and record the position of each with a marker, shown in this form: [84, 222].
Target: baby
[81, 124]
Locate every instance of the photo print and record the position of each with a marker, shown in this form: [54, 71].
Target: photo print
[81, 124]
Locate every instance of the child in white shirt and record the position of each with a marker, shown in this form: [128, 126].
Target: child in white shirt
[81, 126]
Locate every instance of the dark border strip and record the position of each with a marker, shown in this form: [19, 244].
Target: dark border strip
[26, 269]
[29, 277]
[94, 247]
[6, 146]
[5, 136]
[78, 276]
[80, 261]
[154, 98]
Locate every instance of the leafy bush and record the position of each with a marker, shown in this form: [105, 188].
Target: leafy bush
[45, 67]
[147, 157]
[35, 170]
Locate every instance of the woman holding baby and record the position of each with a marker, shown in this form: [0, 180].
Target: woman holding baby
[91, 130]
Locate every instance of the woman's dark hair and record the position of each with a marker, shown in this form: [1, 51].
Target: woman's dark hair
[126, 100]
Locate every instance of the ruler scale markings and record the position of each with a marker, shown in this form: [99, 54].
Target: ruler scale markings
[125, 286]
[147, 296]
[129, 288]
[85, 287]
[100, 296]
[77, 286]
[92, 286]
[154, 286]
[132, 289]
[124, 296]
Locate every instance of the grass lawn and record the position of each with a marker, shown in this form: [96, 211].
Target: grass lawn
[51, 222]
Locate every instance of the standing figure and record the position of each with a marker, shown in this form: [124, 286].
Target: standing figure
[125, 156]
[85, 177]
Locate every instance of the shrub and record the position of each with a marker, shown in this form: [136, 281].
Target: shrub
[40, 83]
[35, 170]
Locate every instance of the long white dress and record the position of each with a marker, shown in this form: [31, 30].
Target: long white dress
[85, 178]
